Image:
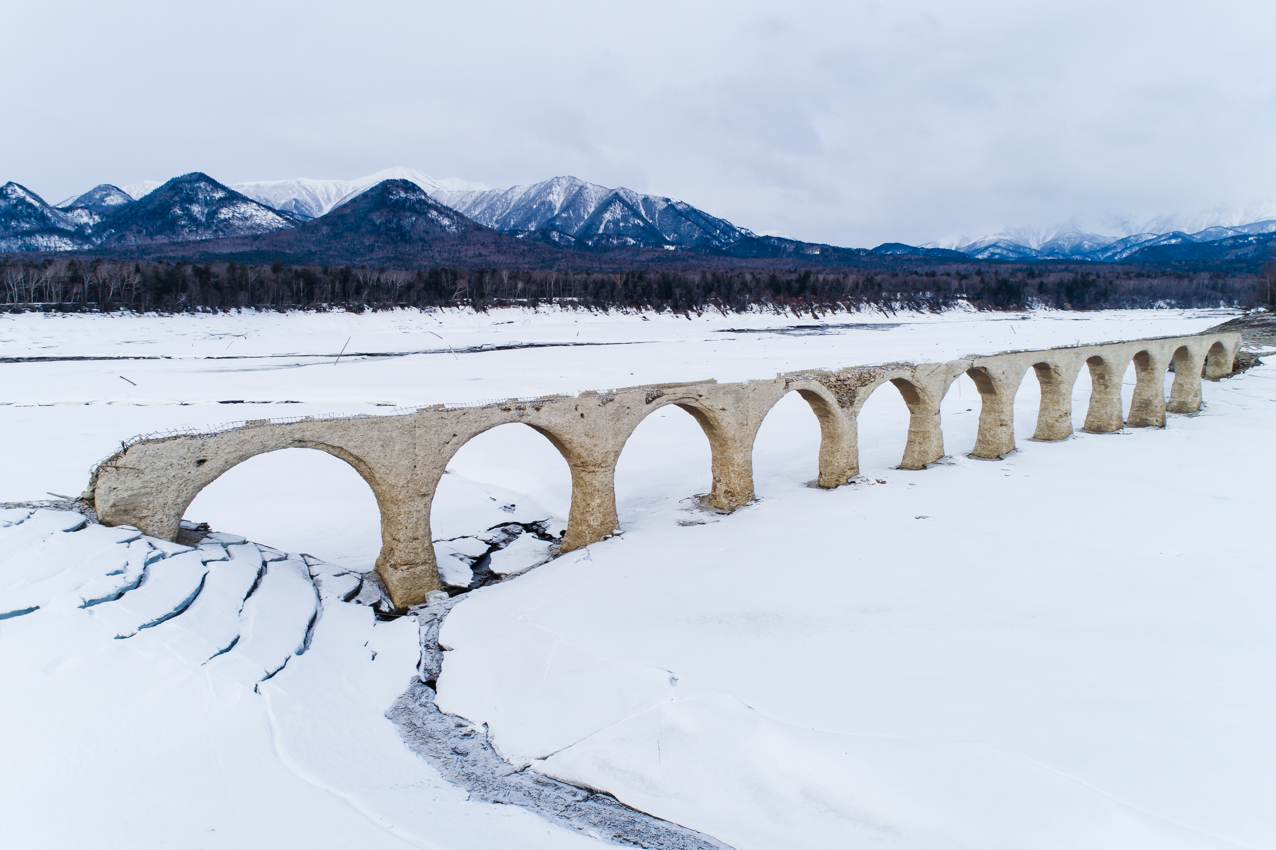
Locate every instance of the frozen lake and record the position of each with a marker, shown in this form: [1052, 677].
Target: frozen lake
[1068, 647]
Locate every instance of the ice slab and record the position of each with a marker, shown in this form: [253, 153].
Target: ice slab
[210, 626]
[114, 584]
[169, 586]
[273, 624]
[49, 563]
[526, 551]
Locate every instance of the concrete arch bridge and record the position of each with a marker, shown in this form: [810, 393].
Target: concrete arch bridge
[152, 480]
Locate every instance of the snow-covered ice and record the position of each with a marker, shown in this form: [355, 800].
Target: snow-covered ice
[1068, 647]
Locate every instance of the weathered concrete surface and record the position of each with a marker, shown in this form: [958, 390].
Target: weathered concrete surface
[151, 481]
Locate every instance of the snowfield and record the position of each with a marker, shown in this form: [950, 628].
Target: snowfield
[1069, 647]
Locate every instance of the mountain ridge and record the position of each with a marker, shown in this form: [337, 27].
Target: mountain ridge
[562, 214]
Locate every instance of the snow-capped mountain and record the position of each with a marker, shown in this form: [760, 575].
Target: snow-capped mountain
[189, 208]
[397, 222]
[310, 198]
[572, 212]
[138, 190]
[27, 223]
[1071, 243]
[100, 199]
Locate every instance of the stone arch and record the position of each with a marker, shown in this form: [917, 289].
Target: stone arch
[837, 463]
[209, 470]
[1147, 406]
[461, 442]
[258, 513]
[519, 447]
[925, 442]
[1185, 392]
[1104, 413]
[1218, 361]
[581, 517]
[731, 463]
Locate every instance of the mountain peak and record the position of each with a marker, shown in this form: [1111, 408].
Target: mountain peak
[103, 198]
[566, 210]
[310, 198]
[190, 207]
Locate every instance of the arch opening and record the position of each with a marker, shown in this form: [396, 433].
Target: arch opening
[959, 411]
[666, 461]
[501, 505]
[786, 448]
[883, 423]
[1034, 402]
[297, 499]
[1129, 380]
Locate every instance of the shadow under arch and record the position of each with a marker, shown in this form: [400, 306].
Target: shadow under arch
[831, 458]
[327, 532]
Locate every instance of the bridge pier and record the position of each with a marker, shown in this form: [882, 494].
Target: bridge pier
[1185, 392]
[1054, 417]
[922, 396]
[1147, 407]
[997, 385]
[1104, 413]
[407, 562]
[593, 512]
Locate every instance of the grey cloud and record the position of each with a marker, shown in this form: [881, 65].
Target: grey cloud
[854, 123]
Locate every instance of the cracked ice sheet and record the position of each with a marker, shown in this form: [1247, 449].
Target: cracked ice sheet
[1096, 610]
[129, 743]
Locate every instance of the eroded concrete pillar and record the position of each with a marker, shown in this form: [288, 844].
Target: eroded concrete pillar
[407, 563]
[1185, 392]
[1054, 416]
[1147, 407]
[593, 511]
[732, 446]
[922, 395]
[996, 410]
[1103, 416]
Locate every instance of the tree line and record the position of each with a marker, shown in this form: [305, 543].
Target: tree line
[144, 286]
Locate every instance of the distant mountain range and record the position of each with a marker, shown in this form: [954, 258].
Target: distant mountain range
[1215, 242]
[402, 215]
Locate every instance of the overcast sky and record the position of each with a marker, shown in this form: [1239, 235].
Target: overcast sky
[848, 122]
